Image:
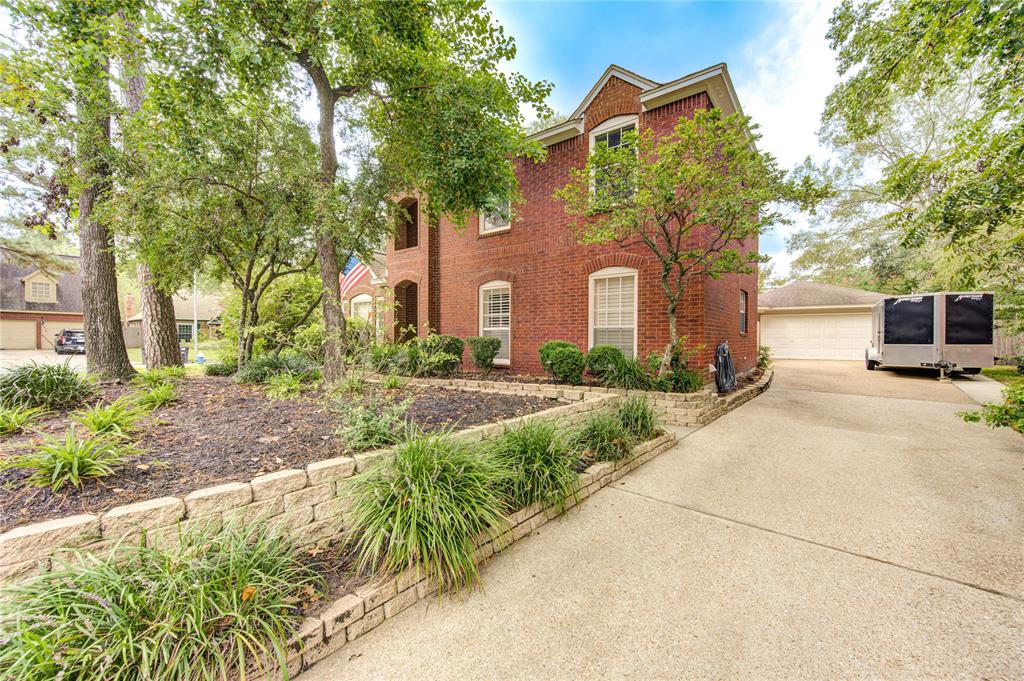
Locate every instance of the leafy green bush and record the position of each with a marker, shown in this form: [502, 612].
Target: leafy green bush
[373, 424]
[384, 356]
[51, 386]
[484, 349]
[58, 462]
[1010, 414]
[538, 465]
[202, 611]
[433, 344]
[16, 419]
[159, 376]
[353, 384]
[1019, 361]
[627, 373]
[602, 437]
[260, 369]
[225, 367]
[157, 397]
[601, 358]
[426, 505]
[638, 418]
[119, 417]
[545, 352]
[391, 382]
[283, 386]
[679, 380]
[438, 364]
[764, 357]
[567, 364]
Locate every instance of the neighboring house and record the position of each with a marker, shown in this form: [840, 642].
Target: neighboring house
[35, 305]
[208, 311]
[527, 281]
[366, 296]
[809, 320]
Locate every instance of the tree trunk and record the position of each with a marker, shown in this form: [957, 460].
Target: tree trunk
[673, 338]
[159, 328]
[160, 346]
[105, 350]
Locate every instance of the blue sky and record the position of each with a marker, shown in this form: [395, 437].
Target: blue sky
[776, 52]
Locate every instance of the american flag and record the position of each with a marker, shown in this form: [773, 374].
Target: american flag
[353, 271]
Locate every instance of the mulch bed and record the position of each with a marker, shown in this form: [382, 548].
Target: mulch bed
[220, 431]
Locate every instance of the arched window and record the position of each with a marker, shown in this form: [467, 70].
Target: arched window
[496, 316]
[613, 305]
[362, 306]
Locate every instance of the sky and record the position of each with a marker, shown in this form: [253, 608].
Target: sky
[776, 52]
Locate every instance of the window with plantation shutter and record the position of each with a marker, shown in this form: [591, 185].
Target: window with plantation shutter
[613, 297]
[496, 316]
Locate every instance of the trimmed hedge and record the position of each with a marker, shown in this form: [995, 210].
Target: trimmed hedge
[483, 350]
[603, 357]
[567, 364]
[549, 347]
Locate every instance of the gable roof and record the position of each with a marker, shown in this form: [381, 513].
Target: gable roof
[12, 285]
[618, 72]
[816, 294]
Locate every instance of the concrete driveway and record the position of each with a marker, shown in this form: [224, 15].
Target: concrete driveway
[845, 524]
[14, 358]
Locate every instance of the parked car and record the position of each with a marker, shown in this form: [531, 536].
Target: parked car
[70, 342]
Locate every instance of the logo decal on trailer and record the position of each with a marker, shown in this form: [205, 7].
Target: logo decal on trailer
[916, 299]
[969, 296]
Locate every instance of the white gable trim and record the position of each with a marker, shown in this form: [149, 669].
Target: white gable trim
[714, 80]
[618, 72]
[559, 133]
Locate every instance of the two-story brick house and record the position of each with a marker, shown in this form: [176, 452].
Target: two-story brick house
[528, 281]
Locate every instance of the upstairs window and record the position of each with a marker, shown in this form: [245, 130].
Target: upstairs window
[499, 220]
[612, 182]
[39, 288]
[743, 311]
[613, 302]
[496, 317]
[407, 232]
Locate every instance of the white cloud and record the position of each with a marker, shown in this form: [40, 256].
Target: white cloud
[790, 71]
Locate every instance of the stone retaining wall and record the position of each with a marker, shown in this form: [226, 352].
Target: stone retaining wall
[307, 502]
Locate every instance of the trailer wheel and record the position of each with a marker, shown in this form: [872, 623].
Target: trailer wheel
[971, 371]
[869, 364]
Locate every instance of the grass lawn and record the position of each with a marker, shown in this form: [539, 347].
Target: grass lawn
[1002, 374]
[212, 350]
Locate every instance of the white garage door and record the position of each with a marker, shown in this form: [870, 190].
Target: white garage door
[827, 336]
[17, 335]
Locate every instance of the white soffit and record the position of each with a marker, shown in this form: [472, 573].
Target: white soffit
[714, 80]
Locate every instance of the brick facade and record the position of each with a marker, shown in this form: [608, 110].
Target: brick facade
[549, 271]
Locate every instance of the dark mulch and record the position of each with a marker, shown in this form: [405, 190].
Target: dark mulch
[506, 377]
[336, 564]
[220, 432]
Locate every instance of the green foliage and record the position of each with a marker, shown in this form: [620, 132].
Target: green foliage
[353, 384]
[547, 348]
[484, 349]
[372, 424]
[117, 418]
[70, 461]
[224, 367]
[154, 377]
[764, 357]
[157, 397]
[384, 356]
[50, 386]
[283, 386]
[433, 344]
[627, 374]
[567, 364]
[202, 611]
[638, 418]
[16, 419]
[1010, 414]
[602, 437]
[392, 382]
[422, 356]
[538, 465]
[260, 369]
[601, 358]
[426, 506]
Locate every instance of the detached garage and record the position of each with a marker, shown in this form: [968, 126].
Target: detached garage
[808, 320]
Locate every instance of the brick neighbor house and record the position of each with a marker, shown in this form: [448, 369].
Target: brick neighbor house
[528, 281]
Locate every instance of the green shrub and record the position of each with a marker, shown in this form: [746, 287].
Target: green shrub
[225, 367]
[433, 344]
[438, 364]
[157, 397]
[58, 462]
[567, 364]
[538, 465]
[283, 386]
[51, 386]
[202, 611]
[484, 349]
[602, 437]
[384, 357]
[260, 369]
[545, 352]
[16, 419]
[764, 357]
[1010, 414]
[601, 358]
[628, 374]
[159, 376]
[1019, 361]
[119, 417]
[681, 380]
[638, 418]
[373, 424]
[426, 505]
[353, 384]
[392, 382]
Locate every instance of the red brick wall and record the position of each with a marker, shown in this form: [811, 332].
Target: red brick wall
[549, 271]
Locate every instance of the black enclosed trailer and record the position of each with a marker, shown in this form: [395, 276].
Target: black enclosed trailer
[948, 331]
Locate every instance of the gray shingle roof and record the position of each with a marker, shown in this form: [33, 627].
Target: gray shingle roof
[814, 294]
[12, 290]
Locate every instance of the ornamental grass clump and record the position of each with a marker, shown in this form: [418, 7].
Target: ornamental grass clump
[157, 397]
[71, 460]
[159, 376]
[539, 466]
[50, 386]
[16, 419]
[638, 418]
[204, 610]
[117, 418]
[602, 437]
[426, 506]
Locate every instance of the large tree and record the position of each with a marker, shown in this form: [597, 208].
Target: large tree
[426, 75]
[693, 198]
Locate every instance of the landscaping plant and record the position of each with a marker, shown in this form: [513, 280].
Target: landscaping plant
[546, 349]
[391, 382]
[283, 386]
[51, 386]
[602, 437]
[484, 349]
[115, 418]
[425, 506]
[353, 384]
[764, 357]
[156, 397]
[159, 376]
[538, 465]
[567, 364]
[601, 358]
[373, 424]
[638, 418]
[384, 356]
[260, 369]
[627, 373]
[16, 419]
[72, 459]
[202, 611]
[225, 367]
[1010, 414]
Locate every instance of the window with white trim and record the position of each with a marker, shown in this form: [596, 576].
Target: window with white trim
[613, 303]
[496, 316]
[743, 311]
[362, 306]
[498, 220]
